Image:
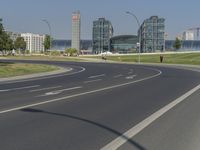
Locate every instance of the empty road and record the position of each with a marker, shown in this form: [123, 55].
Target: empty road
[102, 106]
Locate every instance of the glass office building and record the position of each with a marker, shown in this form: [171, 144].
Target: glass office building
[76, 27]
[102, 32]
[123, 44]
[152, 32]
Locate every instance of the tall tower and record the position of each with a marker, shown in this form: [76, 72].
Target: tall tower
[76, 29]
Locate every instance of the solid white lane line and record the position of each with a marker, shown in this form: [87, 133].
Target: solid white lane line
[43, 89]
[96, 76]
[20, 88]
[140, 126]
[90, 81]
[117, 76]
[60, 91]
[84, 93]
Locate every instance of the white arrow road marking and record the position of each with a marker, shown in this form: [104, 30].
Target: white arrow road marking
[131, 77]
[20, 88]
[60, 91]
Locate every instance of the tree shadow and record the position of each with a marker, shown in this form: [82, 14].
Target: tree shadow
[130, 141]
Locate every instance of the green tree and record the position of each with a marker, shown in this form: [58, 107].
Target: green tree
[20, 44]
[71, 51]
[177, 44]
[6, 43]
[47, 42]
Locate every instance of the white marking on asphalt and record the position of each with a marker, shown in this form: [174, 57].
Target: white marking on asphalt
[43, 89]
[131, 77]
[117, 76]
[96, 76]
[116, 143]
[90, 81]
[84, 93]
[60, 91]
[20, 88]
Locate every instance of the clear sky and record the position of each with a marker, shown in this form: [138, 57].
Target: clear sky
[27, 15]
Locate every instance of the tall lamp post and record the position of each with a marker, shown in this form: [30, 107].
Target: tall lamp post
[139, 32]
[50, 33]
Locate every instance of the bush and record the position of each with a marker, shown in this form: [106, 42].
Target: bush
[71, 52]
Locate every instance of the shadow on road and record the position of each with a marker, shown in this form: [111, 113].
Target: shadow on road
[135, 144]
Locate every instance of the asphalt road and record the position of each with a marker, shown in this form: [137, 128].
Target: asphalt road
[95, 103]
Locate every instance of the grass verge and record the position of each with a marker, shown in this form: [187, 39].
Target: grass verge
[186, 58]
[17, 69]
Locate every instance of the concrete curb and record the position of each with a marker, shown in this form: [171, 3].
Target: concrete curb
[36, 75]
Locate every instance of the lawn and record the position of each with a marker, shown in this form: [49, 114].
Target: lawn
[17, 69]
[179, 58]
[44, 57]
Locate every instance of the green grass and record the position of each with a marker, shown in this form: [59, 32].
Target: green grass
[44, 57]
[17, 69]
[179, 58]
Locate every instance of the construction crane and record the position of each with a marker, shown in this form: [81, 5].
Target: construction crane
[197, 29]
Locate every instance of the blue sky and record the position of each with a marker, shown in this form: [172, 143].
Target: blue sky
[27, 15]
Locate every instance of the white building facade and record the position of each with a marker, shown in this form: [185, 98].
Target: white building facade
[188, 35]
[76, 29]
[34, 42]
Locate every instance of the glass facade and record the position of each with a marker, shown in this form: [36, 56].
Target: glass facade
[63, 44]
[102, 32]
[152, 33]
[123, 44]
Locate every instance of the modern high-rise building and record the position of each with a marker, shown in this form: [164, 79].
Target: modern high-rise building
[102, 32]
[76, 29]
[34, 42]
[152, 34]
[188, 35]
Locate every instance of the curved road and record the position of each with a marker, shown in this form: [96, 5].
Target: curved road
[97, 103]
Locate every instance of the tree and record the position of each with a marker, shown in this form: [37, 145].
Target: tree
[177, 44]
[2, 36]
[6, 43]
[71, 51]
[20, 44]
[47, 42]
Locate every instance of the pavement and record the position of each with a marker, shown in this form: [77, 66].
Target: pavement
[96, 103]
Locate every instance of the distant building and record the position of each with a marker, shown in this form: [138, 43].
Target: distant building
[34, 42]
[152, 34]
[64, 44]
[102, 32]
[76, 29]
[188, 35]
[123, 44]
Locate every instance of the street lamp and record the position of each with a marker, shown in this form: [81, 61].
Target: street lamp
[139, 44]
[50, 34]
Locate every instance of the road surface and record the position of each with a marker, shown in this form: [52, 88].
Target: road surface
[102, 106]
